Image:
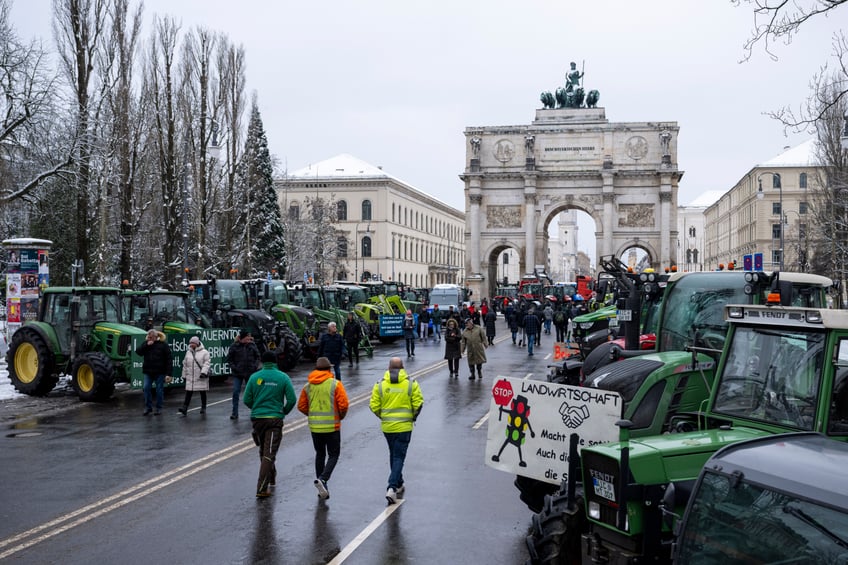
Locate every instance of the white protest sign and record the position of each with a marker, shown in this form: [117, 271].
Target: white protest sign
[531, 424]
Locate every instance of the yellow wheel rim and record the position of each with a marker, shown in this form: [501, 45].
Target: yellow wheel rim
[85, 378]
[26, 363]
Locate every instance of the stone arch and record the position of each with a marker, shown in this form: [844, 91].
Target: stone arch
[640, 244]
[492, 253]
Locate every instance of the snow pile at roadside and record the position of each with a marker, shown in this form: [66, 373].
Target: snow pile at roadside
[6, 389]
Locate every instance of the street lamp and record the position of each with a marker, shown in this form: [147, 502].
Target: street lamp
[761, 195]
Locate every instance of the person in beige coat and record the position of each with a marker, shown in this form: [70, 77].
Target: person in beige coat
[474, 343]
[195, 374]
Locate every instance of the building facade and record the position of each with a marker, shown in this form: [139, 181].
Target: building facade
[747, 218]
[690, 238]
[393, 230]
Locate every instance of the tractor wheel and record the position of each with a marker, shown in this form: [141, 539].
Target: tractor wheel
[288, 354]
[93, 377]
[556, 531]
[32, 367]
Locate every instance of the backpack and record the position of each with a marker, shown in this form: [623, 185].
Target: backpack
[559, 317]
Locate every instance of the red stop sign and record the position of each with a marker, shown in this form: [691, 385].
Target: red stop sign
[502, 392]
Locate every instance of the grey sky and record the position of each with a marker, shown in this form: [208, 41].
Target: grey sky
[396, 83]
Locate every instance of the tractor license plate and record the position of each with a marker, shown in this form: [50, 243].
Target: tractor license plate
[604, 489]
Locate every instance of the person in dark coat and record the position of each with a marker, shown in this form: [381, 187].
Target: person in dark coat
[244, 360]
[352, 336]
[520, 313]
[423, 323]
[532, 326]
[561, 316]
[489, 321]
[157, 363]
[512, 320]
[409, 333]
[453, 352]
[332, 347]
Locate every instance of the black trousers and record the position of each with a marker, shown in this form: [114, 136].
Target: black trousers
[328, 446]
[453, 365]
[352, 351]
[188, 394]
[269, 432]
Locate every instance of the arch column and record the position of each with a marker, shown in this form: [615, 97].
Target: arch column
[665, 220]
[608, 194]
[474, 218]
[529, 223]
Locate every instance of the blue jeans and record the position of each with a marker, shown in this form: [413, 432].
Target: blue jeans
[531, 338]
[547, 326]
[147, 387]
[337, 369]
[437, 330]
[237, 392]
[398, 444]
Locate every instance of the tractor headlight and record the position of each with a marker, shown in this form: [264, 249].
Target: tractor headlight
[594, 511]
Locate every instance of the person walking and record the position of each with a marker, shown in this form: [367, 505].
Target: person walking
[423, 323]
[561, 322]
[196, 365]
[520, 313]
[397, 400]
[489, 320]
[452, 313]
[436, 318]
[531, 329]
[512, 321]
[270, 396]
[332, 345]
[453, 347]
[473, 345]
[243, 358]
[548, 313]
[325, 403]
[352, 336]
[409, 333]
[157, 363]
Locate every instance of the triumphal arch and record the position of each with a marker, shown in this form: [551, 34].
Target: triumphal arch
[518, 178]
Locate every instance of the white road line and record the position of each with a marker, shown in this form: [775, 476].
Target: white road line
[363, 535]
[480, 422]
[527, 376]
[548, 356]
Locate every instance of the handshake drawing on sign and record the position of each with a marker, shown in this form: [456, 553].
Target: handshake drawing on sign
[573, 416]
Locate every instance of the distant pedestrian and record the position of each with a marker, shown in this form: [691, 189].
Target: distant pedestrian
[436, 318]
[157, 363]
[325, 403]
[520, 313]
[489, 320]
[423, 323]
[548, 313]
[196, 365]
[243, 359]
[453, 347]
[352, 336]
[561, 322]
[331, 345]
[397, 401]
[452, 313]
[531, 329]
[474, 346]
[409, 333]
[270, 396]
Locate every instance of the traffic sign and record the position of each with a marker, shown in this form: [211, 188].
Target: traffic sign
[502, 392]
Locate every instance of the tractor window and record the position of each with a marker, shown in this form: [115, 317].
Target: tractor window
[838, 424]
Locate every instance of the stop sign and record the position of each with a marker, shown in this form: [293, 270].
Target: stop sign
[502, 392]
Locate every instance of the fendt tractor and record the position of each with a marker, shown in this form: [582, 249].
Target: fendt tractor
[79, 332]
[656, 385]
[782, 369]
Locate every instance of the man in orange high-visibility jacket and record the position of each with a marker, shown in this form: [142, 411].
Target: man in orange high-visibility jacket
[324, 401]
[397, 401]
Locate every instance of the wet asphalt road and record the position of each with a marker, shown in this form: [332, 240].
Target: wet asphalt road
[100, 483]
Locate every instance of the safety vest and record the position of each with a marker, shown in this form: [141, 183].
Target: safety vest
[323, 414]
[396, 413]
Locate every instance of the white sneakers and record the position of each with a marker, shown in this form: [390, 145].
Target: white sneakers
[393, 495]
[323, 493]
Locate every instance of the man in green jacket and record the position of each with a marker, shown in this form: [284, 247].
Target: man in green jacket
[397, 401]
[270, 396]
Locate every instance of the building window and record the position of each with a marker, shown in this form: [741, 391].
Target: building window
[775, 231]
[775, 180]
[691, 231]
[341, 246]
[775, 208]
[341, 210]
[775, 256]
[366, 209]
[294, 211]
[366, 246]
[802, 180]
[393, 211]
[802, 207]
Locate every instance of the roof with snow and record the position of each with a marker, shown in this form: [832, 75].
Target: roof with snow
[341, 166]
[706, 199]
[803, 155]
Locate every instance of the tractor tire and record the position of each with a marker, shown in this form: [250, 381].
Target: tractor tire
[93, 377]
[289, 351]
[32, 367]
[533, 492]
[555, 535]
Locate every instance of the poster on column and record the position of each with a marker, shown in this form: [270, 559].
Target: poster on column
[531, 424]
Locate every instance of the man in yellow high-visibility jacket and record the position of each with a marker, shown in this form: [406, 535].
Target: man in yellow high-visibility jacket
[325, 403]
[397, 401]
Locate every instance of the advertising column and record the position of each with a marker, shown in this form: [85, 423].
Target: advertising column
[27, 271]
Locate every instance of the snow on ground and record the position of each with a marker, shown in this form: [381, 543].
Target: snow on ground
[6, 389]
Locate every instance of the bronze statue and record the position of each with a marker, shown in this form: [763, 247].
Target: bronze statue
[572, 94]
[572, 78]
[547, 99]
[592, 99]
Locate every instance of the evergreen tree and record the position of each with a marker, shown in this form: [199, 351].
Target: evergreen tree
[265, 237]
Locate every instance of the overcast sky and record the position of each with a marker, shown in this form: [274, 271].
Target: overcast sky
[395, 83]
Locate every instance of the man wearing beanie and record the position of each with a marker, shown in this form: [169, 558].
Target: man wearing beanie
[270, 396]
[324, 401]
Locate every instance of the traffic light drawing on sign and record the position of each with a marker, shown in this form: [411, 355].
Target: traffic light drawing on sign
[516, 425]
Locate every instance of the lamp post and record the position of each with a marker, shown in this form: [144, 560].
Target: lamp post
[761, 195]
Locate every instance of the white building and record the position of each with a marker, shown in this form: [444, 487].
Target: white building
[396, 232]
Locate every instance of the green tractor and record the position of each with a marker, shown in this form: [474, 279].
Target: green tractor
[79, 332]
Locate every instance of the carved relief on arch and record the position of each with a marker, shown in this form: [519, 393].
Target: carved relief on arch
[665, 197]
[636, 216]
[503, 216]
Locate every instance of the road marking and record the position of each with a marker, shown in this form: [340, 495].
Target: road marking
[363, 535]
[548, 356]
[480, 422]
[527, 376]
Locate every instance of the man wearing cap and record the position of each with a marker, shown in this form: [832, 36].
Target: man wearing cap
[325, 403]
[196, 365]
[243, 358]
[436, 318]
[270, 396]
